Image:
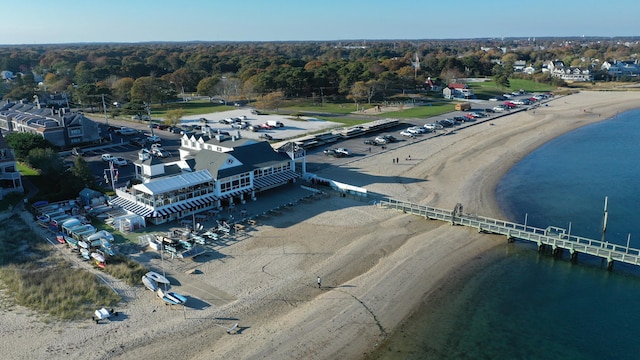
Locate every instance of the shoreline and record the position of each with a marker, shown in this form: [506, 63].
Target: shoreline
[378, 266]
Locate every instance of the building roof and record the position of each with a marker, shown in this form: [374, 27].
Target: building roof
[176, 182]
[240, 160]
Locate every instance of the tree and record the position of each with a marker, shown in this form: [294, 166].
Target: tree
[21, 143]
[82, 171]
[121, 89]
[207, 86]
[47, 161]
[150, 89]
[173, 117]
[501, 76]
[272, 100]
[359, 92]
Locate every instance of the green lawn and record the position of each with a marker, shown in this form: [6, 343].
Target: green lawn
[488, 89]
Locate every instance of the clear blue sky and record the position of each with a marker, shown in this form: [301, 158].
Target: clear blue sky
[73, 21]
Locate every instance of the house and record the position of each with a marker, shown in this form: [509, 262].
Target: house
[59, 126]
[10, 179]
[455, 90]
[519, 66]
[621, 68]
[432, 85]
[557, 69]
[212, 172]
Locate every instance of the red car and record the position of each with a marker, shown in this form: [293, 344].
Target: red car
[265, 126]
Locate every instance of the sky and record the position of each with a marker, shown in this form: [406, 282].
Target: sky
[134, 21]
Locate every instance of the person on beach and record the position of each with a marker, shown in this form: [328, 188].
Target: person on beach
[319, 282]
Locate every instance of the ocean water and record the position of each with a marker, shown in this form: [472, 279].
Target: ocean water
[515, 303]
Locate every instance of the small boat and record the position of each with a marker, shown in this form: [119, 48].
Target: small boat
[85, 253]
[98, 258]
[73, 243]
[149, 283]
[157, 277]
[60, 238]
[172, 298]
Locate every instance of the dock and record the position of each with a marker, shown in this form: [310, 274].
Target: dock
[554, 238]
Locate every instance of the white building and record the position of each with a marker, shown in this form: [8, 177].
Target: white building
[212, 173]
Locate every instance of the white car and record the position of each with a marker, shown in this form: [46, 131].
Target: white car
[381, 140]
[154, 139]
[159, 152]
[119, 161]
[406, 133]
[343, 151]
[107, 157]
[126, 131]
[498, 108]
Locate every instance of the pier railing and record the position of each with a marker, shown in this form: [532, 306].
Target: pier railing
[555, 238]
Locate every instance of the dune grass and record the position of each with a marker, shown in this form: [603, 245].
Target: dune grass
[35, 276]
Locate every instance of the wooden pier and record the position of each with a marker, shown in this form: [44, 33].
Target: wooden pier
[557, 239]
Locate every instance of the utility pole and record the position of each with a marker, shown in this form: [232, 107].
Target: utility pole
[104, 106]
[148, 107]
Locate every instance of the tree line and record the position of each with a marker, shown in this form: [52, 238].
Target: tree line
[160, 72]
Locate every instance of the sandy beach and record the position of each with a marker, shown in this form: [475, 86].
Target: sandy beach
[376, 265]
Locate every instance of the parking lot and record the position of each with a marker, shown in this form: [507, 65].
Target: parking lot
[292, 127]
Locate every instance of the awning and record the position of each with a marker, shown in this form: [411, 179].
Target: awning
[131, 206]
[279, 178]
[234, 193]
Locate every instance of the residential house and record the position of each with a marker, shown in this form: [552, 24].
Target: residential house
[61, 127]
[618, 68]
[519, 66]
[459, 91]
[433, 85]
[558, 69]
[212, 173]
[10, 179]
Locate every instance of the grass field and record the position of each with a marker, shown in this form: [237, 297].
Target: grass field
[488, 89]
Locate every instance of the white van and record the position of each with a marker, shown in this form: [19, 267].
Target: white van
[275, 123]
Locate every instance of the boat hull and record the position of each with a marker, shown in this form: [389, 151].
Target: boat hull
[149, 283]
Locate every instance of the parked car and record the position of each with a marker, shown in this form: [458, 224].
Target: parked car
[390, 138]
[119, 161]
[144, 154]
[266, 136]
[107, 157]
[275, 123]
[343, 151]
[498, 108]
[159, 152]
[370, 142]
[76, 151]
[381, 140]
[407, 133]
[489, 110]
[126, 131]
[265, 126]
[154, 139]
[332, 152]
[138, 141]
[240, 125]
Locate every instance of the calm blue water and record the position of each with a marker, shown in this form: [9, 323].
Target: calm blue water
[514, 303]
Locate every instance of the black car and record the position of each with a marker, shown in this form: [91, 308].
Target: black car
[138, 141]
[370, 142]
[391, 138]
[266, 137]
[489, 110]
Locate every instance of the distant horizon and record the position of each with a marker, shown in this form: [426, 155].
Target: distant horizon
[506, 38]
[41, 22]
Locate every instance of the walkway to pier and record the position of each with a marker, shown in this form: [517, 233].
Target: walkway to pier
[556, 238]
